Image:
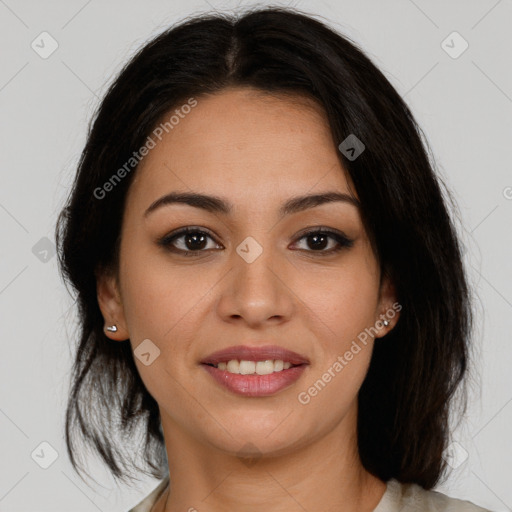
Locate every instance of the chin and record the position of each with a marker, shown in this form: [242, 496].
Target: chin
[254, 442]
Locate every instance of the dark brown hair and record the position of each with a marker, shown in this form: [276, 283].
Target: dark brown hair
[405, 400]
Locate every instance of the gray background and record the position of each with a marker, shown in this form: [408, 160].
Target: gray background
[464, 105]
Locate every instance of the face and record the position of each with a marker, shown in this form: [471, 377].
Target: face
[250, 274]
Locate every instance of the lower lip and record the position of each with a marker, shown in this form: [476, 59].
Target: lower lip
[256, 385]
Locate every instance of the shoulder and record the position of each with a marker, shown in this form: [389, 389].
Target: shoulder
[413, 498]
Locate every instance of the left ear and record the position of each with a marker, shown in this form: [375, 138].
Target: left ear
[388, 308]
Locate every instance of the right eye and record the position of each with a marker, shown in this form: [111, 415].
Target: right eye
[192, 240]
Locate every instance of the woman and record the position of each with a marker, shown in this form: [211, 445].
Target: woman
[270, 286]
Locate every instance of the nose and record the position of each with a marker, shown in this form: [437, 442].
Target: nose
[257, 292]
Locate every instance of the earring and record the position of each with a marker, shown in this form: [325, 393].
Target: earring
[385, 322]
[111, 328]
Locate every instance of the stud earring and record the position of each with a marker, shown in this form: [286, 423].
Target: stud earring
[385, 322]
[111, 328]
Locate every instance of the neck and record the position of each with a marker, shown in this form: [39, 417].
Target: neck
[323, 475]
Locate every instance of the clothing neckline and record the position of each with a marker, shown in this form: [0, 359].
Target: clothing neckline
[389, 499]
[159, 491]
[391, 496]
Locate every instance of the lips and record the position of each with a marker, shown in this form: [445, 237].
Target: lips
[246, 353]
[254, 385]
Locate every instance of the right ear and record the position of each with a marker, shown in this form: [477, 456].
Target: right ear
[110, 303]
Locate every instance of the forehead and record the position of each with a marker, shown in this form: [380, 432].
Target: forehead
[242, 142]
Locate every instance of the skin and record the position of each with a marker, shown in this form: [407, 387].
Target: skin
[256, 151]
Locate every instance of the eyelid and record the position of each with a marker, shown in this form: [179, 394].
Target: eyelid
[322, 229]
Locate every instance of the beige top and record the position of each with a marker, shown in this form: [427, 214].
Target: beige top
[398, 497]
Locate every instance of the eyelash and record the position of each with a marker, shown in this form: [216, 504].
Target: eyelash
[167, 240]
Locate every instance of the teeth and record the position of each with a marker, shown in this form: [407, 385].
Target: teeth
[233, 366]
[254, 367]
[265, 367]
[246, 367]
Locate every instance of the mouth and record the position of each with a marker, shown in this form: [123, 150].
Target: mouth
[255, 371]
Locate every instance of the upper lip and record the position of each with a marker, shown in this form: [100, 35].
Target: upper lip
[247, 353]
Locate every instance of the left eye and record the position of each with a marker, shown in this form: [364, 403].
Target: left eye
[318, 239]
[194, 241]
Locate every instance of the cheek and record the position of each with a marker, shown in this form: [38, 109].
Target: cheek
[161, 302]
[343, 348]
[342, 302]
[159, 297]
[331, 393]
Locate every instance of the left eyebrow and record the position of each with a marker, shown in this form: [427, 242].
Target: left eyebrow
[215, 204]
